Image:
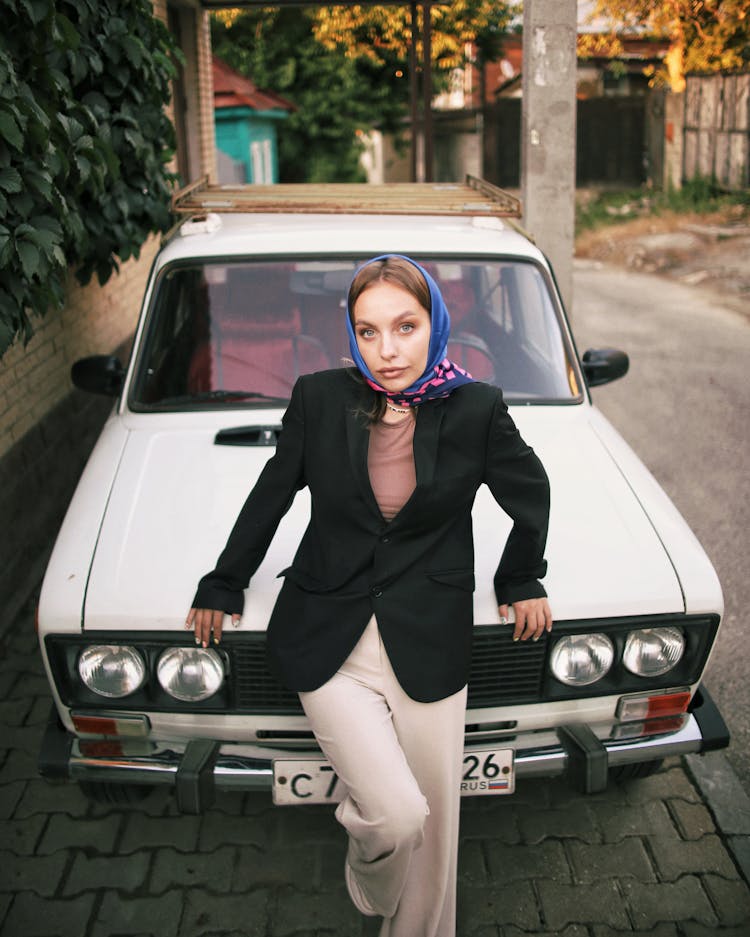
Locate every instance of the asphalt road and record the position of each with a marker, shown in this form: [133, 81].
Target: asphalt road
[685, 408]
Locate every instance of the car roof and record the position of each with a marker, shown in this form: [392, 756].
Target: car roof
[289, 235]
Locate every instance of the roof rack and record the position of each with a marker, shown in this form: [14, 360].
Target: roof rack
[472, 197]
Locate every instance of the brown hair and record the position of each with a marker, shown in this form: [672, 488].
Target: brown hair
[393, 270]
[401, 273]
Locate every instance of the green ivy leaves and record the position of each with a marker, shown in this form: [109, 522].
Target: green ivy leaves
[84, 141]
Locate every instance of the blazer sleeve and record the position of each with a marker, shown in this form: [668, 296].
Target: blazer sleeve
[519, 484]
[270, 499]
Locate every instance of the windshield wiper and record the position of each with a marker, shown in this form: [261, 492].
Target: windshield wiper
[218, 396]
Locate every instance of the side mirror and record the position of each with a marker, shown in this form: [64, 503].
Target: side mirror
[99, 374]
[602, 365]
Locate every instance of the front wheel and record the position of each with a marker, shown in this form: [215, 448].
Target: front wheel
[106, 792]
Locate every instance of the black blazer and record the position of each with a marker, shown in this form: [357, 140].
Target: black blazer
[415, 573]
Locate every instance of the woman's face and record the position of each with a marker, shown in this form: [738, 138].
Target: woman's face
[393, 335]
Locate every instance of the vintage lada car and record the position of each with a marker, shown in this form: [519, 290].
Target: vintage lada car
[246, 294]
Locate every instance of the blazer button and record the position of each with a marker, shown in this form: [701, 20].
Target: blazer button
[376, 592]
[385, 539]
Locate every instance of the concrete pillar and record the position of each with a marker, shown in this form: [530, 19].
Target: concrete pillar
[548, 132]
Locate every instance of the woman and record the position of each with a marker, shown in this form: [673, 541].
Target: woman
[373, 624]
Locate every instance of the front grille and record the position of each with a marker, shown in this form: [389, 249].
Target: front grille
[502, 672]
[255, 687]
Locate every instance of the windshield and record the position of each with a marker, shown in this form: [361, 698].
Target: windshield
[238, 334]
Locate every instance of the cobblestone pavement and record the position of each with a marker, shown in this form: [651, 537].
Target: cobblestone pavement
[663, 856]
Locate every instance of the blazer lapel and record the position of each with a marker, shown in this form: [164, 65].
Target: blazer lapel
[358, 439]
[426, 437]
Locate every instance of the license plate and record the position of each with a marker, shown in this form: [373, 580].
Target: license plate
[313, 781]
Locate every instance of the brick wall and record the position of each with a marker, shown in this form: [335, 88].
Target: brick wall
[95, 319]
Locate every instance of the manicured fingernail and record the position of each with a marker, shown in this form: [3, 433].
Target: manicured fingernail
[236, 624]
[216, 640]
[515, 638]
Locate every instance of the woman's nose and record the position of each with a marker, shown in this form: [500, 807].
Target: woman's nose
[387, 347]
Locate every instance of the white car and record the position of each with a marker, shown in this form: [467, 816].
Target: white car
[239, 303]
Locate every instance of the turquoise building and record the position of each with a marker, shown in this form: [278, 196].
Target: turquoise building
[246, 121]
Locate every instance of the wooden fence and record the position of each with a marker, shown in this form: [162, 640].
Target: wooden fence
[662, 137]
[717, 128]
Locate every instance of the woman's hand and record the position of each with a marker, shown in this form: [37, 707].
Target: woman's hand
[206, 620]
[533, 618]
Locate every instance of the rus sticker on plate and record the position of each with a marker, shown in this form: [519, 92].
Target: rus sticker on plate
[312, 780]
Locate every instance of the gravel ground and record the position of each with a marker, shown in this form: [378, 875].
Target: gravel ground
[710, 252]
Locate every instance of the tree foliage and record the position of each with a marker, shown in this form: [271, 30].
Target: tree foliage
[705, 35]
[346, 69]
[368, 31]
[84, 143]
[337, 96]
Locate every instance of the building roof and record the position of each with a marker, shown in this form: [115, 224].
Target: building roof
[503, 77]
[234, 90]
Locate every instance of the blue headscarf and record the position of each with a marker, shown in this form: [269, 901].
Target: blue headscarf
[441, 376]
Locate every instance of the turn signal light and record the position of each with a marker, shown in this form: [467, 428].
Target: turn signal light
[112, 726]
[653, 707]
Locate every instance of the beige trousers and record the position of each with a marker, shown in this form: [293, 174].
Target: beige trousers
[401, 762]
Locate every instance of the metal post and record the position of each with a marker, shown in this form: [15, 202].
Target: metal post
[414, 91]
[427, 91]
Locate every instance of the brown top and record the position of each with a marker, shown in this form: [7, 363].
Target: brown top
[390, 461]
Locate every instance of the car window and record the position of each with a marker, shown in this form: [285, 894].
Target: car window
[234, 333]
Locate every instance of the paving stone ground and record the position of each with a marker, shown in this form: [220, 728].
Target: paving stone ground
[666, 856]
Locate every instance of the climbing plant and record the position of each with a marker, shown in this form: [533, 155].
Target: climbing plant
[84, 146]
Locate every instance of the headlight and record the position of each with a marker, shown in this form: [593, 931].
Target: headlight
[653, 651]
[112, 670]
[581, 659]
[190, 674]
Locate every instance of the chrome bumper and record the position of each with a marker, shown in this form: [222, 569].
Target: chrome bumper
[204, 765]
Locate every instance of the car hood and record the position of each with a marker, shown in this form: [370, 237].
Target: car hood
[177, 493]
